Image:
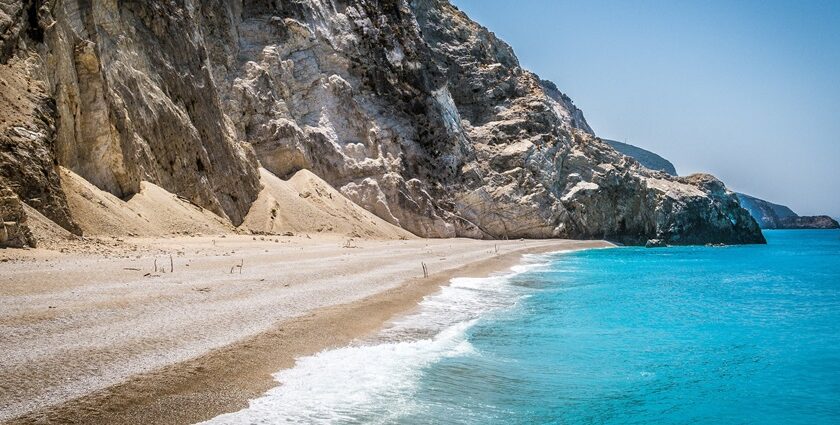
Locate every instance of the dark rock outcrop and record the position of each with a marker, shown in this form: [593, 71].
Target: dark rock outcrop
[655, 243]
[14, 232]
[809, 222]
[775, 216]
[27, 143]
[768, 215]
[409, 108]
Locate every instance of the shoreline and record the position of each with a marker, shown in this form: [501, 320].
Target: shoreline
[225, 379]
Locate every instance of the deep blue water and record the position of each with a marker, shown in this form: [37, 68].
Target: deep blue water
[746, 334]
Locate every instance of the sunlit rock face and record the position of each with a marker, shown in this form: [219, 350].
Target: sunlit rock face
[409, 108]
[539, 171]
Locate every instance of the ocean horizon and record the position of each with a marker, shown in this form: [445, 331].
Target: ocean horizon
[735, 334]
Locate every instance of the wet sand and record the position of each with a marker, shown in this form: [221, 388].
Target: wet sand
[94, 338]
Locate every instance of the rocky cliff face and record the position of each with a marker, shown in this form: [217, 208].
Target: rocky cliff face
[14, 231]
[767, 214]
[775, 216]
[409, 108]
[809, 222]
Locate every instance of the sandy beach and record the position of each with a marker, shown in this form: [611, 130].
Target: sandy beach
[181, 329]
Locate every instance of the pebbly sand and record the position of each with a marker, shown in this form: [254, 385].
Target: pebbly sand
[103, 338]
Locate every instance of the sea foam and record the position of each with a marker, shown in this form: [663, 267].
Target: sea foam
[372, 381]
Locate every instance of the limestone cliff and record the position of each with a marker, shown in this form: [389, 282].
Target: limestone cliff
[775, 216]
[767, 214]
[409, 108]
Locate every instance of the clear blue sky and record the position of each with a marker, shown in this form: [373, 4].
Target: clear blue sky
[746, 90]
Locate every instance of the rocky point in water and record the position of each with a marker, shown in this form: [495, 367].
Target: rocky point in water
[768, 215]
[775, 216]
[409, 108]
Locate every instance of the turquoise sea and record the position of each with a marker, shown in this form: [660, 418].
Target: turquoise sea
[730, 335]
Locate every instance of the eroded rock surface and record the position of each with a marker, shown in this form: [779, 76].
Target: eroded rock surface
[27, 141]
[409, 108]
[14, 232]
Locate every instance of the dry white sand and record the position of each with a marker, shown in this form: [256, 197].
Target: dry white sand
[72, 324]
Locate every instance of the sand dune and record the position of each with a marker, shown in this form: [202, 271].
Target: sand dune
[46, 232]
[302, 204]
[307, 204]
[152, 212]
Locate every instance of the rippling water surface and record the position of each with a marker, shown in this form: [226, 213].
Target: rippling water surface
[630, 335]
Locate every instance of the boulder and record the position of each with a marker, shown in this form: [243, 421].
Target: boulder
[655, 243]
[14, 233]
